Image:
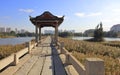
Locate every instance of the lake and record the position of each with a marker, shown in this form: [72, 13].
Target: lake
[19, 40]
[14, 41]
[85, 38]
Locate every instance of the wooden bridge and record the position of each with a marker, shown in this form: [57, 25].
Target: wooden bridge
[43, 60]
[49, 57]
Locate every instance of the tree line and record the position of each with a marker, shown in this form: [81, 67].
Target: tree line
[14, 34]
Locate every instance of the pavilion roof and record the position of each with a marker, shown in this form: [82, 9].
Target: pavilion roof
[46, 19]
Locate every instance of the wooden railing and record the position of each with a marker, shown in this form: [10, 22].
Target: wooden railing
[93, 66]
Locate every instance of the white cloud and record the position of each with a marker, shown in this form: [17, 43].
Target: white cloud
[116, 10]
[106, 20]
[88, 15]
[95, 14]
[80, 14]
[26, 10]
[111, 20]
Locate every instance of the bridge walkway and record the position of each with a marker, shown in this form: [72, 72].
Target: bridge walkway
[44, 60]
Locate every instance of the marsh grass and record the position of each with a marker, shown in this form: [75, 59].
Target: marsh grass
[6, 50]
[112, 43]
[84, 49]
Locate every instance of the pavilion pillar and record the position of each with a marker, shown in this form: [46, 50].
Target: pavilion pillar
[36, 34]
[40, 33]
[56, 33]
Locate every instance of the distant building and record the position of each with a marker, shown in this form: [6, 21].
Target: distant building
[16, 31]
[48, 31]
[115, 28]
[22, 31]
[19, 31]
[60, 31]
[2, 29]
[52, 31]
[8, 30]
[89, 32]
[72, 31]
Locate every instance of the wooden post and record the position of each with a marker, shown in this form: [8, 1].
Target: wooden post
[40, 34]
[36, 30]
[94, 66]
[56, 33]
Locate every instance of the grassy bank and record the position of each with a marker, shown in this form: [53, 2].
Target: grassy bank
[112, 43]
[7, 36]
[6, 50]
[84, 49]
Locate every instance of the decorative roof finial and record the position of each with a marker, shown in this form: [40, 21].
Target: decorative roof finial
[63, 16]
[30, 16]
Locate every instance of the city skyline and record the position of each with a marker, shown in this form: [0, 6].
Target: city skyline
[9, 29]
[80, 15]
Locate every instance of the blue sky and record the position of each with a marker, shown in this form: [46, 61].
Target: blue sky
[80, 15]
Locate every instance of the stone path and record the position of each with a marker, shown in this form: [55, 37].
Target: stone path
[44, 60]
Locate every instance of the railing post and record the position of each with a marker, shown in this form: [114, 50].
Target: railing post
[61, 49]
[34, 45]
[16, 59]
[29, 48]
[94, 66]
[67, 61]
[58, 46]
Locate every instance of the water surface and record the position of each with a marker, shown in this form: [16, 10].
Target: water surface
[85, 38]
[14, 41]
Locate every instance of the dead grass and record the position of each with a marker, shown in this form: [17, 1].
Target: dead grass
[84, 49]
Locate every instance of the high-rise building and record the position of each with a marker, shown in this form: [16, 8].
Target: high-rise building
[16, 31]
[8, 30]
[23, 31]
[48, 32]
[2, 29]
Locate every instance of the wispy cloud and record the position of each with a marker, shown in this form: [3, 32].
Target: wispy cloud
[95, 14]
[26, 10]
[106, 20]
[116, 10]
[80, 14]
[111, 20]
[88, 15]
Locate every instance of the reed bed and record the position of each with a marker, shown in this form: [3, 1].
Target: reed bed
[84, 49]
[6, 50]
[112, 43]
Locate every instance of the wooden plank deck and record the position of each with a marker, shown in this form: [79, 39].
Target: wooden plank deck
[44, 60]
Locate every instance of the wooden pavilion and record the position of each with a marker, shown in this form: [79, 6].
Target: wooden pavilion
[46, 20]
